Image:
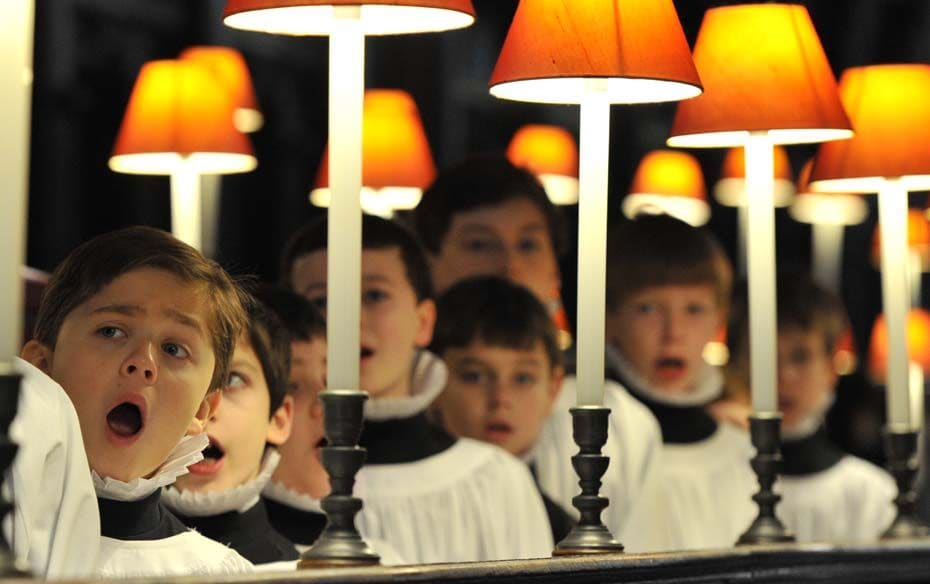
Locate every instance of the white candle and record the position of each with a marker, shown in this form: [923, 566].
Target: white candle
[914, 274]
[827, 241]
[344, 292]
[16, 33]
[185, 205]
[594, 154]
[760, 251]
[892, 217]
[916, 378]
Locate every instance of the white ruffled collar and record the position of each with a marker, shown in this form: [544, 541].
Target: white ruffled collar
[240, 498]
[276, 491]
[709, 385]
[188, 451]
[429, 379]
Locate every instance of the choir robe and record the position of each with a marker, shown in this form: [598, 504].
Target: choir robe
[435, 498]
[830, 496]
[54, 529]
[706, 477]
[636, 514]
[143, 539]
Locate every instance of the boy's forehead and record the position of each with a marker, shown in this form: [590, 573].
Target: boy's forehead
[482, 349]
[517, 212]
[675, 291]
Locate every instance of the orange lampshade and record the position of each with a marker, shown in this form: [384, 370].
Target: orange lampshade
[316, 17]
[230, 67]
[918, 343]
[826, 208]
[890, 109]
[918, 238]
[396, 160]
[554, 46]
[730, 190]
[179, 113]
[764, 70]
[845, 358]
[669, 181]
[549, 152]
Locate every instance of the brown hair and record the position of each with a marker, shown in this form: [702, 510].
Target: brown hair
[659, 250]
[96, 263]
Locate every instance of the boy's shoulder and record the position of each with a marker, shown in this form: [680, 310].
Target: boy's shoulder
[185, 554]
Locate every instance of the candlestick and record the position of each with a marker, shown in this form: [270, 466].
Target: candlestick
[892, 216]
[592, 241]
[827, 243]
[761, 267]
[186, 205]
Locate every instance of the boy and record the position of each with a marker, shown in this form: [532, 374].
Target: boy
[488, 217]
[138, 328]
[220, 497]
[668, 287]
[828, 495]
[432, 497]
[505, 370]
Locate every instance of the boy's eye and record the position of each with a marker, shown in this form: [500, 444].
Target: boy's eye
[111, 332]
[373, 296]
[696, 308]
[235, 380]
[175, 350]
[473, 376]
[644, 308]
[525, 379]
[319, 303]
[479, 245]
[529, 245]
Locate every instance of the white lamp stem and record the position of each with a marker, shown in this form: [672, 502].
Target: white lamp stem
[892, 217]
[827, 241]
[594, 154]
[16, 34]
[210, 193]
[760, 251]
[914, 275]
[186, 205]
[742, 226]
[344, 293]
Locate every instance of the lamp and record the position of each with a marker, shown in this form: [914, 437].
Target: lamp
[549, 152]
[889, 107]
[346, 22]
[918, 251]
[230, 68]
[845, 359]
[396, 160]
[670, 182]
[593, 54]
[767, 82]
[828, 214]
[179, 122]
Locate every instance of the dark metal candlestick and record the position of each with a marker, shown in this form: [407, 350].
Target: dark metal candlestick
[901, 450]
[766, 437]
[340, 544]
[590, 535]
[9, 404]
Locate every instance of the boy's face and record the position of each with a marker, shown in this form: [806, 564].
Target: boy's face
[805, 373]
[662, 330]
[499, 395]
[239, 427]
[394, 324]
[301, 468]
[510, 240]
[136, 359]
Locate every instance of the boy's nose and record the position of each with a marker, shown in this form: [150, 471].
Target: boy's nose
[141, 362]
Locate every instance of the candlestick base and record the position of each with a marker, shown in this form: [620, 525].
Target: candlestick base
[340, 544]
[901, 450]
[590, 535]
[766, 528]
[9, 404]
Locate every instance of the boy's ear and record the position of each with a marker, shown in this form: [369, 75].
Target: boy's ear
[426, 314]
[38, 355]
[279, 427]
[555, 387]
[209, 404]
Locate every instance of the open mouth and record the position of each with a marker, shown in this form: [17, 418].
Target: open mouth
[213, 459]
[366, 353]
[496, 431]
[670, 367]
[125, 421]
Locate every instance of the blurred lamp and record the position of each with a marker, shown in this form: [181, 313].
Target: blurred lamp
[549, 152]
[670, 182]
[230, 67]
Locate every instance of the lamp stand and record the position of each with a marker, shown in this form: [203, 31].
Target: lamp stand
[766, 528]
[340, 544]
[186, 205]
[901, 451]
[590, 535]
[827, 244]
[9, 404]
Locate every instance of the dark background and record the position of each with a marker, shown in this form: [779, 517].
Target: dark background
[88, 52]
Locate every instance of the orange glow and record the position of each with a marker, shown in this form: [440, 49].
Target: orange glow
[764, 70]
[230, 67]
[730, 190]
[734, 164]
[178, 111]
[918, 343]
[395, 152]
[670, 173]
[544, 150]
[554, 45]
[890, 110]
[918, 238]
[845, 359]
